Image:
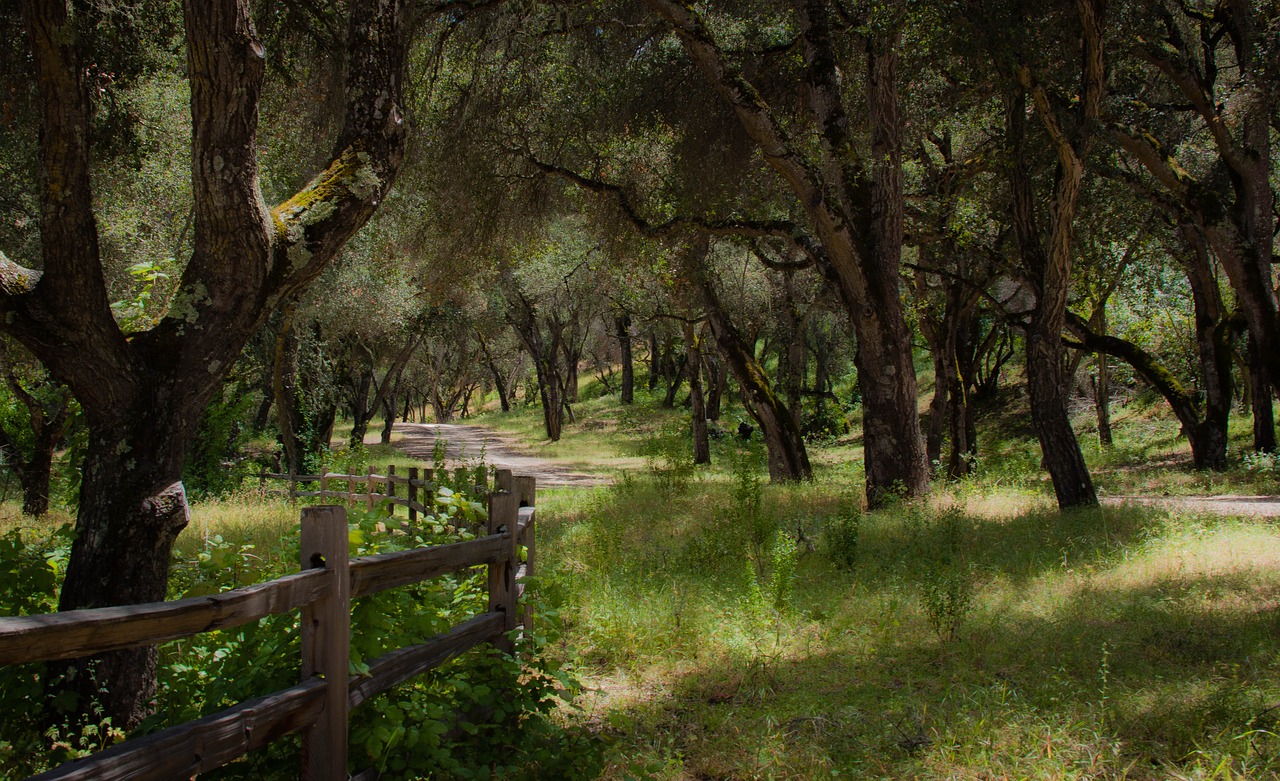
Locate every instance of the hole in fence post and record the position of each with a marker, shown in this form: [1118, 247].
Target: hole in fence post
[326, 641]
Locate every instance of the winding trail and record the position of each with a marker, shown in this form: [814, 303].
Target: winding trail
[464, 443]
[468, 442]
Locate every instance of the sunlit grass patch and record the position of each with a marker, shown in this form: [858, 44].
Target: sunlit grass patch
[979, 633]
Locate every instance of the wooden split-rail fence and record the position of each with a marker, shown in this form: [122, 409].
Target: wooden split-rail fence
[413, 491]
[318, 707]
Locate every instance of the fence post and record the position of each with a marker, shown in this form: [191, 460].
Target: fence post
[391, 488]
[369, 488]
[326, 640]
[293, 487]
[413, 494]
[351, 490]
[526, 494]
[504, 513]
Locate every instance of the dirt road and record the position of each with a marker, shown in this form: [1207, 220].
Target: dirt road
[1261, 506]
[468, 443]
[463, 443]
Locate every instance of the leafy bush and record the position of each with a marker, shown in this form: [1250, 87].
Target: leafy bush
[668, 453]
[840, 539]
[943, 572]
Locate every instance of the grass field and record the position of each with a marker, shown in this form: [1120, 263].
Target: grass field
[726, 628]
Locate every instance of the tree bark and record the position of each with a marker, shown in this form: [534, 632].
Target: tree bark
[697, 403]
[1260, 402]
[545, 354]
[1049, 268]
[1102, 385]
[717, 378]
[622, 328]
[143, 396]
[655, 366]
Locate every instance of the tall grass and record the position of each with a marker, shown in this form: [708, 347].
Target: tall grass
[969, 636]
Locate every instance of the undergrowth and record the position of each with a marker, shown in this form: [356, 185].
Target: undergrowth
[483, 715]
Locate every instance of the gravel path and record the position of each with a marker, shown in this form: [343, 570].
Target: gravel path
[463, 443]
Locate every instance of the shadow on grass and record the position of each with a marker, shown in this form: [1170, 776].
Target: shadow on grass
[1079, 657]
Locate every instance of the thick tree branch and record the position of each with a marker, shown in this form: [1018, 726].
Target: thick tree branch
[781, 229]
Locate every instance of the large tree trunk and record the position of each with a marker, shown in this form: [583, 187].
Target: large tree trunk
[34, 475]
[855, 209]
[1264, 423]
[129, 516]
[144, 395]
[1049, 268]
[1214, 331]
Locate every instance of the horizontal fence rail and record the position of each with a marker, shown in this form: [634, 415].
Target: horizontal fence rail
[319, 706]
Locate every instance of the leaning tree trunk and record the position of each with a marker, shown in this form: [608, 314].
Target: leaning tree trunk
[788, 458]
[697, 403]
[1049, 267]
[678, 369]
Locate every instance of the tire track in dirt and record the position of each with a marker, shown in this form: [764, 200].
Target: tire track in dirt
[465, 443]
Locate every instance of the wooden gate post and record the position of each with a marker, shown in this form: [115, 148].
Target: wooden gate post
[370, 487]
[504, 514]
[326, 642]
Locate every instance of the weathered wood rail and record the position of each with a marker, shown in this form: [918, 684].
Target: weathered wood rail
[413, 491]
[320, 704]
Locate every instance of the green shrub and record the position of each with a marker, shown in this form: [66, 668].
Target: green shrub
[450, 723]
[840, 539]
